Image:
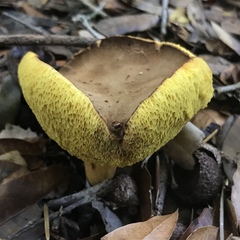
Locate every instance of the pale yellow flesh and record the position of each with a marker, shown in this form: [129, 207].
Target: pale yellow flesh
[69, 117]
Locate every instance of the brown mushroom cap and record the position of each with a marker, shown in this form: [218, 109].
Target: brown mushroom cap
[118, 101]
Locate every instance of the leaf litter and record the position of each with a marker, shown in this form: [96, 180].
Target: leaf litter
[33, 164]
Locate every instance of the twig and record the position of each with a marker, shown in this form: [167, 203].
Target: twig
[164, 17]
[221, 216]
[163, 183]
[84, 20]
[226, 89]
[36, 29]
[46, 221]
[32, 39]
[94, 8]
[98, 10]
[80, 198]
[52, 216]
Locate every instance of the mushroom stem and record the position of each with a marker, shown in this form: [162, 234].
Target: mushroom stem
[181, 148]
[96, 173]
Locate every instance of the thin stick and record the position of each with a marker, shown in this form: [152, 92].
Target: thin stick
[32, 39]
[52, 216]
[36, 29]
[84, 20]
[82, 197]
[164, 17]
[94, 8]
[221, 216]
[46, 222]
[85, 193]
[227, 89]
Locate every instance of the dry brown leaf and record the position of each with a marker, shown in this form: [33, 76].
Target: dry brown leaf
[137, 231]
[197, 18]
[206, 116]
[20, 191]
[145, 6]
[14, 157]
[205, 233]
[231, 237]
[205, 219]
[30, 151]
[165, 230]
[231, 74]
[126, 24]
[231, 25]
[231, 216]
[217, 47]
[24, 147]
[144, 183]
[229, 139]
[217, 64]
[30, 10]
[112, 5]
[227, 38]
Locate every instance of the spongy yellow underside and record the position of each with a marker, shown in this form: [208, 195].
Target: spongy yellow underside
[68, 116]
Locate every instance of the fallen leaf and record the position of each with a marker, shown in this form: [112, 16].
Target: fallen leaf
[231, 25]
[197, 18]
[205, 233]
[205, 219]
[110, 219]
[145, 6]
[228, 140]
[165, 230]
[25, 189]
[231, 217]
[227, 38]
[144, 184]
[217, 64]
[217, 47]
[137, 231]
[19, 221]
[206, 116]
[126, 24]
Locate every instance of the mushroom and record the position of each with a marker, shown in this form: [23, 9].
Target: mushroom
[118, 101]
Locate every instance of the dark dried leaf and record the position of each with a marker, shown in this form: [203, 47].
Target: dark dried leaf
[21, 192]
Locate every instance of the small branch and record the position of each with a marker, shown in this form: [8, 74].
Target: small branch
[226, 89]
[84, 20]
[165, 4]
[84, 195]
[36, 29]
[94, 8]
[75, 200]
[33, 224]
[31, 39]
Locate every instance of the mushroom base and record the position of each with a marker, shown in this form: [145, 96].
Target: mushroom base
[96, 173]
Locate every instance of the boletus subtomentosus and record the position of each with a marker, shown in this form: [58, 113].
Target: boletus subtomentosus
[118, 101]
